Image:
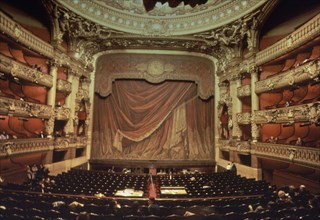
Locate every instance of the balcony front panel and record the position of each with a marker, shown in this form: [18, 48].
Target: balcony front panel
[242, 147]
[302, 35]
[18, 108]
[21, 146]
[24, 72]
[23, 36]
[299, 113]
[306, 72]
[295, 154]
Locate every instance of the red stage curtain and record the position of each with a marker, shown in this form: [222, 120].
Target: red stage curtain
[140, 120]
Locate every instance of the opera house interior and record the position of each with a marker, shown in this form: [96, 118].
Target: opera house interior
[190, 109]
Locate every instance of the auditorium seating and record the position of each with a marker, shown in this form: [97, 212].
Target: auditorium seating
[82, 185]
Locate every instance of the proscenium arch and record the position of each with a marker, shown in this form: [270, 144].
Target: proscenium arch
[154, 66]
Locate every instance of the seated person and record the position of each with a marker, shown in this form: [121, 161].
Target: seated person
[153, 207]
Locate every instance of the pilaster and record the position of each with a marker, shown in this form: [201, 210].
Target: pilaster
[70, 103]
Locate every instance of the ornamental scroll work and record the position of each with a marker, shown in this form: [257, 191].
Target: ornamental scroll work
[299, 113]
[299, 155]
[24, 109]
[22, 71]
[154, 69]
[305, 72]
[17, 146]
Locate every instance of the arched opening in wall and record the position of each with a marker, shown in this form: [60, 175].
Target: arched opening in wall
[147, 121]
[155, 107]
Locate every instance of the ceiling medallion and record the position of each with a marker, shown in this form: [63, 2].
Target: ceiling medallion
[155, 67]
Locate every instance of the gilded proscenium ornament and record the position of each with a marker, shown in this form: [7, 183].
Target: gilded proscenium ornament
[21, 71]
[211, 16]
[156, 67]
[19, 108]
[299, 155]
[182, 67]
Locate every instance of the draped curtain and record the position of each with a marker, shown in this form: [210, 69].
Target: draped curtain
[140, 120]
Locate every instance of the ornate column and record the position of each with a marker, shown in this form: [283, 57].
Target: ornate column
[89, 120]
[70, 103]
[236, 107]
[51, 98]
[255, 131]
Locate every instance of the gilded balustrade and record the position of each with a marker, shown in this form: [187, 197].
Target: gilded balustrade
[21, 71]
[298, 113]
[14, 30]
[64, 86]
[302, 35]
[305, 72]
[244, 118]
[244, 91]
[242, 147]
[18, 108]
[295, 154]
[21, 146]
[69, 142]
[9, 27]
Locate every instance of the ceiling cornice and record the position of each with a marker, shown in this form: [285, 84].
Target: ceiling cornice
[148, 25]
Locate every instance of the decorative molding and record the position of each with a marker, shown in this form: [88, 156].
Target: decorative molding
[82, 94]
[209, 17]
[244, 118]
[21, 146]
[64, 86]
[21, 71]
[62, 113]
[155, 68]
[224, 145]
[19, 108]
[14, 30]
[242, 147]
[62, 143]
[9, 27]
[302, 35]
[306, 72]
[294, 154]
[298, 113]
[244, 91]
